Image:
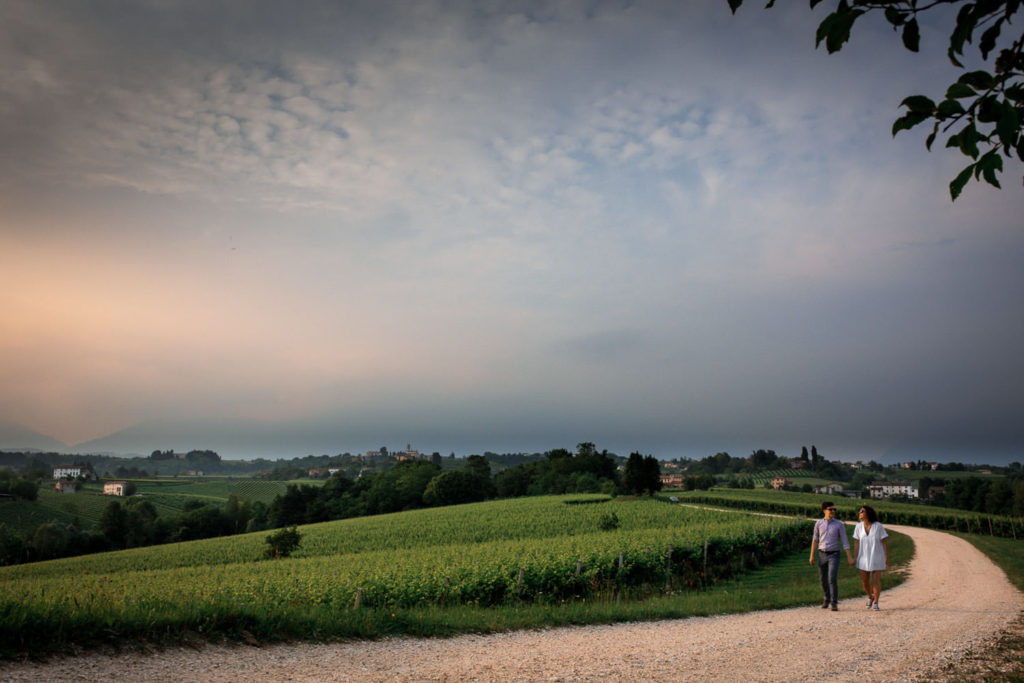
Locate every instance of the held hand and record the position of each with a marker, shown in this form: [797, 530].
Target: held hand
[811, 561]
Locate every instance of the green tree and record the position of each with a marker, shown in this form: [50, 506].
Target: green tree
[282, 543]
[113, 524]
[12, 546]
[641, 474]
[983, 111]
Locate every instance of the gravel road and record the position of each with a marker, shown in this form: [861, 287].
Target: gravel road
[954, 601]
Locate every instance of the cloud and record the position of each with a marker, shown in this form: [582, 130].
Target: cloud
[508, 220]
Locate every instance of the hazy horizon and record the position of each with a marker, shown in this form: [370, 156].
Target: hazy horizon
[649, 225]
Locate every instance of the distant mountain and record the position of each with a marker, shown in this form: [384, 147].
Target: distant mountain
[233, 440]
[16, 437]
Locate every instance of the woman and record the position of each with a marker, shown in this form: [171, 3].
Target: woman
[871, 551]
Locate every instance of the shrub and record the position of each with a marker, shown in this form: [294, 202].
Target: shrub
[282, 543]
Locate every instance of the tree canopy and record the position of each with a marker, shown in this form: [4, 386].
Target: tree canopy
[982, 112]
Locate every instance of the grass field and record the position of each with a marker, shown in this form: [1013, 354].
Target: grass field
[168, 496]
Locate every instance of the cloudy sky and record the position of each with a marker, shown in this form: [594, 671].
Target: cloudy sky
[314, 227]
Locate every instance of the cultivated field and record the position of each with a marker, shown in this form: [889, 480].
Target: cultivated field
[532, 551]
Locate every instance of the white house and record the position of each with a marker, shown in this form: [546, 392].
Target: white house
[114, 488]
[885, 489]
[73, 472]
[829, 489]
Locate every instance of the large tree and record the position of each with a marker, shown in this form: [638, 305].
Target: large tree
[982, 112]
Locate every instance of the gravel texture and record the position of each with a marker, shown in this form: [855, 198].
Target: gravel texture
[955, 602]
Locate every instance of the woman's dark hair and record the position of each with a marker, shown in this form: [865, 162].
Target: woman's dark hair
[870, 513]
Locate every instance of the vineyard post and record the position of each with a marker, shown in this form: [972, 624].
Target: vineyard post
[359, 598]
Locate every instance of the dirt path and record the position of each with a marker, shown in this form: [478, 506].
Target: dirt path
[954, 600]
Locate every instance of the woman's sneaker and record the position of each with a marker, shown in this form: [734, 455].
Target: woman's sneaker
[876, 607]
[870, 602]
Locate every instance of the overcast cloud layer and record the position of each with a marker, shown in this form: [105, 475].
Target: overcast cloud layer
[290, 228]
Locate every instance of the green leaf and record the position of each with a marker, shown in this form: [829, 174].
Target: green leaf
[957, 186]
[988, 39]
[814, 2]
[988, 109]
[918, 103]
[912, 36]
[771, 3]
[908, 121]
[894, 17]
[968, 139]
[735, 5]
[1008, 124]
[979, 80]
[949, 108]
[930, 140]
[991, 164]
[959, 90]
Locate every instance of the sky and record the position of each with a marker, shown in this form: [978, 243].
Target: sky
[278, 229]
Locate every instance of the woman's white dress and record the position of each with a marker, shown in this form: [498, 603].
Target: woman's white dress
[870, 554]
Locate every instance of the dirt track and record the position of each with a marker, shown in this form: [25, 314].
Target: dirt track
[954, 600]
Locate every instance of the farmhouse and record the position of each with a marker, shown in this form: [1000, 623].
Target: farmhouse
[673, 481]
[74, 472]
[779, 482]
[885, 489]
[114, 488]
[829, 489]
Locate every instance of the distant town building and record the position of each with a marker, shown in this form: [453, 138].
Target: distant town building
[114, 488]
[829, 489]
[886, 489]
[65, 486]
[74, 472]
[672, 481]
[409, 454]
[779, 482]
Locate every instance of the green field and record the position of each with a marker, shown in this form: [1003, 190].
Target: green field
[168, 496]
[512, 553]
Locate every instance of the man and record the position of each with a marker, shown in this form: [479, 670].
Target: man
[829, 535]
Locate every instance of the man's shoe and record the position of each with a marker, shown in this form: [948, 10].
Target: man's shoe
[825, 604]
[834, 607]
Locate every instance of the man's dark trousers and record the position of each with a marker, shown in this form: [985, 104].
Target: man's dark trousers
[828, 569]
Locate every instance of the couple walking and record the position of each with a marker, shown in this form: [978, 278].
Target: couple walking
[869, 546]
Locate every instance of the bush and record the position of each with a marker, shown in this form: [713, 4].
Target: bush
[282, 543]
[609, 522]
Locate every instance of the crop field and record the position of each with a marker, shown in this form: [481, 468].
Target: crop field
[522, 551]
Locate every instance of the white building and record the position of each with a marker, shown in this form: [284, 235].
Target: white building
[885, 489]
[114, 488]
[73, 472]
